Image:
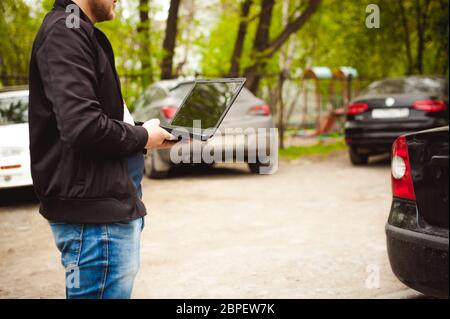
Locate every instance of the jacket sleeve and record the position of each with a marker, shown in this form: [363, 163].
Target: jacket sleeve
[67, 66]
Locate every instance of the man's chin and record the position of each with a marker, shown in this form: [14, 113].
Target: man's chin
[108, 17]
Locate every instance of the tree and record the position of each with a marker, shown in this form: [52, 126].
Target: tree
[239, 44]
[421, 22]
[263, 48]
[186, 34]
[422, 12]
[143, 30]
[17, 31]
[285, 62]
[169, 40]
[406, 36]
[260, 44]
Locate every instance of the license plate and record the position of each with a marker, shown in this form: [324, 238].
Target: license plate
[390, 113]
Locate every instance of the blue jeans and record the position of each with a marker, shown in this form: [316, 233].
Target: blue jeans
[102, 260]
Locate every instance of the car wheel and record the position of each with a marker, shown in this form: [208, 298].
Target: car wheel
[206, 165]
[151, 166]
[357, 158]
[255, 167]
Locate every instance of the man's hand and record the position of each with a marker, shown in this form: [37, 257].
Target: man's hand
[157, 136]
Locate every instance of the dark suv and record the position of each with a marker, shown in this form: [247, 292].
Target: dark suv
[390, 108]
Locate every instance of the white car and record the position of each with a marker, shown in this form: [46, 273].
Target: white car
[14, 141]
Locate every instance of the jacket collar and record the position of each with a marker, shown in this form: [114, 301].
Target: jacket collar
[62, 5]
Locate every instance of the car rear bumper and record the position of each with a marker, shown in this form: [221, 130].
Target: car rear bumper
[373, 141]
[419, 260]
[378, 138]
[15, 180]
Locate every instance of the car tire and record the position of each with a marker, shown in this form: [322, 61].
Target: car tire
[150, 167]
[358, 159]
[255, 167]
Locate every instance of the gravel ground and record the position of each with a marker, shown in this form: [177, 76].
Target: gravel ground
[315, 229]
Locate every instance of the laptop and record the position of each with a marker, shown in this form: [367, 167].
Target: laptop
[208, 101]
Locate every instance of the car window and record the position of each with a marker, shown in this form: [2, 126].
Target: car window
[139, 103]
[245, 94]
[182, 90]
[412, 85]
[13, 110]
[143, 114]
[154, 94]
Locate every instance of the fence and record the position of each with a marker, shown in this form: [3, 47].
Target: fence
[300, 110]
[7, 80]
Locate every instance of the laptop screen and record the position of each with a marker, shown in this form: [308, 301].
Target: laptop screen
[207, 102]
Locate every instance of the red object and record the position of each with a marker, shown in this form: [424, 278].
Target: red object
[168, 111]
[430, 105]
[403, 187]
[357, 108]
[263, 110]
[10, 166]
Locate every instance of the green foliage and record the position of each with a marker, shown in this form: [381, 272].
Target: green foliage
[17, 29]
[126, 42]
[336, 35]
[320, 148]
[216, 51]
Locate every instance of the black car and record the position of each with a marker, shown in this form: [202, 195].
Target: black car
[389, 108]
[417, 229]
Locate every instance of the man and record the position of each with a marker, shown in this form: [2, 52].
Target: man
[86, 152]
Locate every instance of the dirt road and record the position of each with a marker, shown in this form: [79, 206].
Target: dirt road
[315, 229]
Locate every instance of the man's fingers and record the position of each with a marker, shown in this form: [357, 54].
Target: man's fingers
[168, 143]
[153, 122]
[169, 136]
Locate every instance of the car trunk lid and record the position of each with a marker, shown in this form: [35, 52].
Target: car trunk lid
[429, 152]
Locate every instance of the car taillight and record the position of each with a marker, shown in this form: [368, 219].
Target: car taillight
[430, 105]
[402, 184]
[168, 111]
[263, 110]
[357, 108]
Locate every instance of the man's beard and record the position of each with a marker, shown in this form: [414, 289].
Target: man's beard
[101, 11]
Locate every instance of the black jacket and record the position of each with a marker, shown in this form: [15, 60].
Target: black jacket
[78, 141]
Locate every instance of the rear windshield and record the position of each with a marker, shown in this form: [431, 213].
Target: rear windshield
[419, 85]
[182, 90]
[13, 110]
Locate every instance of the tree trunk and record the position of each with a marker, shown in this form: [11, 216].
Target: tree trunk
[143, 30]
[422, 17]
[169, 40]
[260, 43]
[406, 37]
[281, 123]
[187, 26]
[293, 26]
[263, 49]
[239, 44]
[285, 62]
